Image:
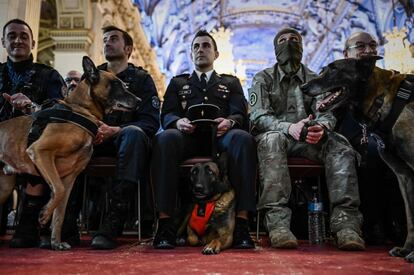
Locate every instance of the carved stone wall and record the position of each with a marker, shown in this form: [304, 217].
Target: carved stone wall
[78, 32]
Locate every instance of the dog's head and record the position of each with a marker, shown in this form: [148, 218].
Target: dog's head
[343, 81]
[102, 92]
[209, 179]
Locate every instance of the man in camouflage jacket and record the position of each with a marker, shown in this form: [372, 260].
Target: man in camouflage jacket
[286, 124]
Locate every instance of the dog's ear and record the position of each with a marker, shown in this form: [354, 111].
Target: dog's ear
[222, 164]
[91, 72]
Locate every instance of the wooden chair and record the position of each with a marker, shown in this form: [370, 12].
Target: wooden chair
[106, 167]
[299, 170]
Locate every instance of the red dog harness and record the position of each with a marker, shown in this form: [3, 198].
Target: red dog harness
[200, 216]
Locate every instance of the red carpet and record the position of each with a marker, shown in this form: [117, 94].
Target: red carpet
[131, 258]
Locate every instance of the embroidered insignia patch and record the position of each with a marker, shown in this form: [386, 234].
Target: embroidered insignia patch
[155, 102]
[253, 99]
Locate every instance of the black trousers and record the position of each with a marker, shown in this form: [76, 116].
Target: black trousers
[132, 149]
[171, 147]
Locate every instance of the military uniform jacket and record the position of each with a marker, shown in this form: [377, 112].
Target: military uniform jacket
[272, 109]
[140, 83]
[36, 81]
[186, 90]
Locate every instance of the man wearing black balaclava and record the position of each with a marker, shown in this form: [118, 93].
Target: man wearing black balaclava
[286, 123]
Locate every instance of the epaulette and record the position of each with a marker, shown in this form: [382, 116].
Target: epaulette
[182, 75]
[228, 75]
[137, 68]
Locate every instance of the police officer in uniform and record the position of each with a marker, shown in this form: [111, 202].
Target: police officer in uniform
[125, 134]
[287, 124]
[24, 85]
[182, 139]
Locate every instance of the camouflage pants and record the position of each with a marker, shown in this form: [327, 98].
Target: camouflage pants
[339, 158]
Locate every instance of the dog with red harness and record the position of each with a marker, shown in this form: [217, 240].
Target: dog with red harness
[211, 222]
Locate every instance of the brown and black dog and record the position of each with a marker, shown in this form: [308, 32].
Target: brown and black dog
[383, 100]
[64, 149]
[211, 222]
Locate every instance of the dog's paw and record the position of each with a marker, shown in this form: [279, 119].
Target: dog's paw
[410, 257]
[61, 246]
[44, 216]
[399, 252]
[212, 248]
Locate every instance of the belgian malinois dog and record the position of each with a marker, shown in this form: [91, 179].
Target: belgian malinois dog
[383, 101]
[63, 149]
[212, 220]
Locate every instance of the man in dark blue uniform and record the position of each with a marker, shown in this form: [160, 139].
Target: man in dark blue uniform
[24, 85]
[124, 134]
[182, 139]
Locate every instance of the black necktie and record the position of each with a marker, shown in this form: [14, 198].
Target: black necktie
[203, 80]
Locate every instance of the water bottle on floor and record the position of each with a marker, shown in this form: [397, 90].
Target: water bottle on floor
[316, 224]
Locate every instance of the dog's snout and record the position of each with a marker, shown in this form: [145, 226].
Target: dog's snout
[198, 188]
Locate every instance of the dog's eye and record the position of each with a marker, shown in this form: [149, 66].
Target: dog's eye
[194, 171]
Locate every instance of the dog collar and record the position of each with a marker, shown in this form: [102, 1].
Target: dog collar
[200, 216]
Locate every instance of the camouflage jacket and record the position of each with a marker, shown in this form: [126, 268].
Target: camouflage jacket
[275, 109]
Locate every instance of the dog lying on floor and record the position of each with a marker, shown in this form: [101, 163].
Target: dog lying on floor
[383, 102]
[65, 147]
[212, 220]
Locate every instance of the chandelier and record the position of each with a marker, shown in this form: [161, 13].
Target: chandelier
[397, 55]
[225, 63]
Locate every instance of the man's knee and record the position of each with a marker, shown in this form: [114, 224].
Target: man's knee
[272, 142]
[168, 138]
[134, 133]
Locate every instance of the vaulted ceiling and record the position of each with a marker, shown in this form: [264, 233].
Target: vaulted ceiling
[324, 24]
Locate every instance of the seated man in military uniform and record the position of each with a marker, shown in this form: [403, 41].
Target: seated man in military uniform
[126, 135]
[182, 139]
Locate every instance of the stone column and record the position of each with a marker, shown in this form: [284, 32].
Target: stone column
[70, 46]
[27, 10]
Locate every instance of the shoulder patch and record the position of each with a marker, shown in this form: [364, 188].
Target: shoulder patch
[155, 102]
[253, 99]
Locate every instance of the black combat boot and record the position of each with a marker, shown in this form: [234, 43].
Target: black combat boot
[166, 235]
[113, 222]
[241, 235]
[27, 231]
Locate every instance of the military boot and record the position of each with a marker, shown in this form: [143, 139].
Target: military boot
[70, 229]
[348, 239]
[113, 222]
[282, 237]
[27, 231]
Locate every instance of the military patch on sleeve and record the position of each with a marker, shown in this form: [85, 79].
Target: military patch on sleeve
[253, 99]
[155, 102]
